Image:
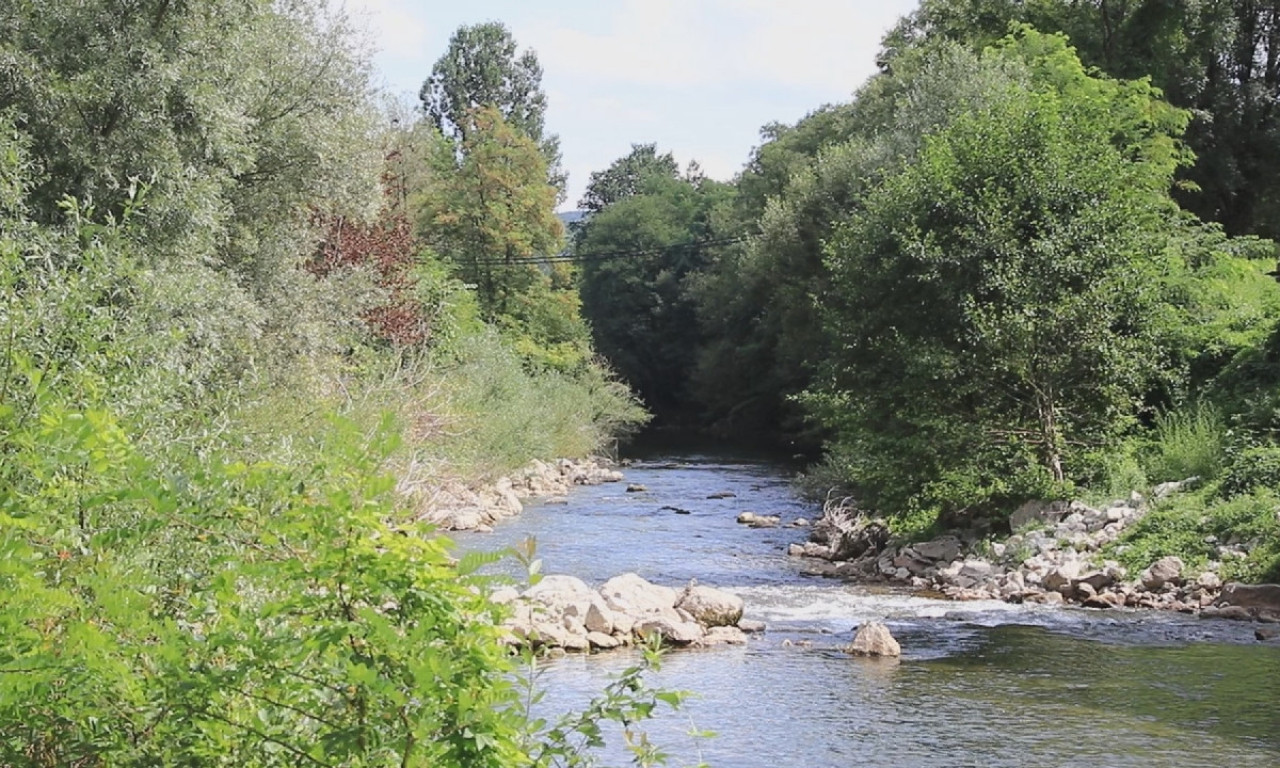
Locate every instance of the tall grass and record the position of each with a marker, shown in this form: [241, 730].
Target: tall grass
[1190, 442]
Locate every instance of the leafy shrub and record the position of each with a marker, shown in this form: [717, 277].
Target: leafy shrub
[1112, 473]
[1192, 526]
[1256, 467]
[1191, 442]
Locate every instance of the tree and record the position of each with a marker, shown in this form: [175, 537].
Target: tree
[996, 303]
[490, 212]
[222, 128]
[627, 176]
[759, 303]
[634, 287]
[1219, 59]
[482, 69]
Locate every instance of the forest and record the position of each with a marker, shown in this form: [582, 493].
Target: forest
[252, 311]
[1031, 258]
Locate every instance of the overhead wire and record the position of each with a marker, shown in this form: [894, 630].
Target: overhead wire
[571, 257]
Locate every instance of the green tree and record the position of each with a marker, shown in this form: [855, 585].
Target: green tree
[759, 304]
[1219, 59]
[627, 176]
[225, 126]
[490, 212]
[634, 285]
[996, 303]
[483, 68]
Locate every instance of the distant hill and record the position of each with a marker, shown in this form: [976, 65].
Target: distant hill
[571, 217]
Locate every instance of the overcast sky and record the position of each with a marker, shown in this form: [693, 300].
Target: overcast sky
[698, 77]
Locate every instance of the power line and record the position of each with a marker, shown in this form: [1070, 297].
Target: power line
[569, 257]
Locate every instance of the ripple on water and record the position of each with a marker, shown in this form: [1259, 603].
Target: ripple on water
[980, 684]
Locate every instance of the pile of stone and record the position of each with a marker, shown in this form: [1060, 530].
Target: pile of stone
[1054, 556]
[563, 612]
[455, 507]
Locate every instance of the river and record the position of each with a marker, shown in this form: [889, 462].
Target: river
[979, 684]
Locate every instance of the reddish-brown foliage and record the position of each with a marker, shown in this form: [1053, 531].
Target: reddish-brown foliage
[386, 245]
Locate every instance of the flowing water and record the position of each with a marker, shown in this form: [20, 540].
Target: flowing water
[979, 684]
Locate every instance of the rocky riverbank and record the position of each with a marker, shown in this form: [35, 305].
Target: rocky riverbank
[1054, 555]
[457, 507]
[563, 612]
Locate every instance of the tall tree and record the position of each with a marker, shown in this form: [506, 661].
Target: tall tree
[490, 212]
[484, 68]
[1218, 58]
[996, 303]
[627, 176]
[635, 286]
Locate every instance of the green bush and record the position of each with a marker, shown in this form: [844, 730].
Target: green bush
[1256, 467]
[1191, 442]
[1192, 526]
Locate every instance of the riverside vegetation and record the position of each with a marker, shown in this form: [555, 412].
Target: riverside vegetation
[250, 319]
[246, 318]
[1028, 261]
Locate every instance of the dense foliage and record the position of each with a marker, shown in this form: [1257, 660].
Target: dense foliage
[998, 273]
[232, 361]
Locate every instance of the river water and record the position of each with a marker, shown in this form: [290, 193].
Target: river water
[979, 684]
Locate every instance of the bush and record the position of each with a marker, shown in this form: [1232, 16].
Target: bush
[1256, 467]
[1192, 526]
[1191, 442]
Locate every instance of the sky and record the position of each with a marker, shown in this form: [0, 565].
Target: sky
[697, 77]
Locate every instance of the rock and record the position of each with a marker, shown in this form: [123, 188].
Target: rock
[1252, 597]
[603, 641]
[599, 618]
[1062, 576]
[1233, 612]
[623, 624]
[1209, 580]
[1037, 512]
[812, 549]
[747, 518]
[1045, 598]
[561, 594]
[945, 549]
[633, 595]
[1104, 600]
[575, 641]
[711, 607]
[671, 630]
[677, 510]
[976, 569]
[859, 538]
[722, 495]
[874, 639]
[796, 550]
[751, 626]
[1097, 580]
[1164, 490]
[764, 521]
[636, 488]
[504, 596]
[800, 522]
[1166, 570]
[1267, 634]
[723, 636]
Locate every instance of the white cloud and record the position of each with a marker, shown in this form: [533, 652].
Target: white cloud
[699, 77]
[398, 26]
[817, 45]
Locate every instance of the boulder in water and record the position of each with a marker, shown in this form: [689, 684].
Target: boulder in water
[1252, 597]
[711, 607]
[874, 639]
